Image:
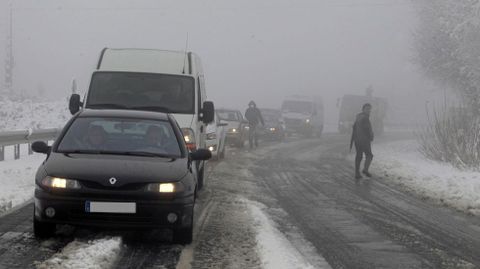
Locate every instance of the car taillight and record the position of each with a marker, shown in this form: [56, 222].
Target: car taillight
[189, 137]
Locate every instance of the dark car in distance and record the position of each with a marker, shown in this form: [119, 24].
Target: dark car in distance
[274, 127]
[117, 169]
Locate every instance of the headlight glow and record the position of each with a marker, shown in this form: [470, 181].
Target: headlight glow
[173, 187]
[307, 120]
[272, 129]
[234, 130]
[166, 187]
[60, 183]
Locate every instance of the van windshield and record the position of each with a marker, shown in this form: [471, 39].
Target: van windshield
[142, 91]
[297, 106]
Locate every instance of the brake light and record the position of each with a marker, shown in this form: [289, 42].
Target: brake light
[189, 137]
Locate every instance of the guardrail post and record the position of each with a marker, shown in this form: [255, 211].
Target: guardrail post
[16, 151]
[30, 151]
[2, 153]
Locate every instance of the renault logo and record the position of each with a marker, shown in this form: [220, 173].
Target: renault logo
[112, 180]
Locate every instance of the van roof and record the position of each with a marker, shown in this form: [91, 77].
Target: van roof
[149, 61]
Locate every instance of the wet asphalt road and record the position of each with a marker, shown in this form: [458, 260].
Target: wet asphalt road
[369, 224]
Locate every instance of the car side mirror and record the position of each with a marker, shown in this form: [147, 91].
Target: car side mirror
[40, 147]
[208, 112]
[75, 103]
[201, 155]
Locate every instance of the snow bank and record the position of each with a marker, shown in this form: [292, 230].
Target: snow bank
[275, 250]
[99, 253]
[26, 114]
[401, 163]
[17, 180]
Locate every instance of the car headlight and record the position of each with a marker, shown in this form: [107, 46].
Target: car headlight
[60, 183]
[211, 136]
[166, 187]
[272, 129]
[233, 130]
[307, 120]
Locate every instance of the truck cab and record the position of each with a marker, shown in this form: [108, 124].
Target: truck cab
[153, 80]
[303, 115]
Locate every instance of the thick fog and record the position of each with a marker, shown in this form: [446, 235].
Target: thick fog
[260, 50]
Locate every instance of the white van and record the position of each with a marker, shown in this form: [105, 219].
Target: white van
[303, 115]
[153, 80]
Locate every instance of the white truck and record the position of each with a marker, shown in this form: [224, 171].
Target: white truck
[153, 80]
[303, 115]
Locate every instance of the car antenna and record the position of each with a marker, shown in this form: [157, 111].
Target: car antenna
[185, 56]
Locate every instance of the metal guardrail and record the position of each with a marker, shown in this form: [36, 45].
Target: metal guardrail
[15, 138]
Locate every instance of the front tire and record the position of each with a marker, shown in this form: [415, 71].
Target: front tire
[43, 230]
[201, 177]
[183, 236]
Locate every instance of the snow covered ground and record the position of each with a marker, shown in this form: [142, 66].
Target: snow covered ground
[17, 178]
[401, 163]
[23, 115]
[92, 254]
[276, 251]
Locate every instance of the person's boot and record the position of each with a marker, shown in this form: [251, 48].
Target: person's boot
[368, 161]
[358, 175]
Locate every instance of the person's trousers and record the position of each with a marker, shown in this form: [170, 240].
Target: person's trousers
[363, 148]
[252, 136]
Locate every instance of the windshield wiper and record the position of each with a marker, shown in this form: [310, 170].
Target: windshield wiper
[148, 154]
[152, 108]
[107, 105]
[112, 152]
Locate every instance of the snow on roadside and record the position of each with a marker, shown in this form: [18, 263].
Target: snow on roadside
[22, 115]
[275, 250]
[17, 180]
[93, 254]
[400, 162]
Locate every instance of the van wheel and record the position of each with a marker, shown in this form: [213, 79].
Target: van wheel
[43, 230]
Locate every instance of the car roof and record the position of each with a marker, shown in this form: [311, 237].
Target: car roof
[123, 113]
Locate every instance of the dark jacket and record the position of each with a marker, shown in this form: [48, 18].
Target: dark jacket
[254, 116]
[362, 130]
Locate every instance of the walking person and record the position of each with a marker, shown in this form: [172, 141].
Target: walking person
[362, 136]
[254, 117]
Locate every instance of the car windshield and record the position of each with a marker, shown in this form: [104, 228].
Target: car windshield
[297, 106]
[120, 136]
[271, 118]
[142, 91]
[228, 115]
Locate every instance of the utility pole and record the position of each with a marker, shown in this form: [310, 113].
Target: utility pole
[9, 60]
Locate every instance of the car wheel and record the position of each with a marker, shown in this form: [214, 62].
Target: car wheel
[42, 229]
[222, 154]
[240, 143]
[184, 235]
[201, 176]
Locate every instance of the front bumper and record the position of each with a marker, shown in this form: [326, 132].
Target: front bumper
[233, 137]
[150, 213]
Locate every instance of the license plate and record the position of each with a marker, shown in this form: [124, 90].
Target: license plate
[110, 207]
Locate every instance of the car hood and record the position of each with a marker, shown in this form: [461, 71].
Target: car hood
[232, 124]
[125, 169]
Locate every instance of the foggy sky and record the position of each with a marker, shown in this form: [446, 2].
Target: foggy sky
[250, 50]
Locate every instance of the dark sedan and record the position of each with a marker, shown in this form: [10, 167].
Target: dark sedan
[117, 169]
